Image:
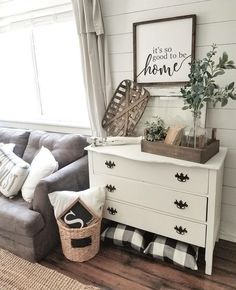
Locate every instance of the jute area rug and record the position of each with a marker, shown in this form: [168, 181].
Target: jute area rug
[19, 274]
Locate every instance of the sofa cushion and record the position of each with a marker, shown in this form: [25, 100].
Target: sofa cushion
[66, 148]
[93, 197]
[17, 137]
[16, 217]
[9, 146]
[173, 251]
[13, 172]
[124, 235]
[42, 165]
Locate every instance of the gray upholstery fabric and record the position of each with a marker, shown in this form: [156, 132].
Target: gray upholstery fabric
[30, 230]
[17, 136]
[16, 217]
[72, 177]
[26, 251]
[66, 148]
[23, 240]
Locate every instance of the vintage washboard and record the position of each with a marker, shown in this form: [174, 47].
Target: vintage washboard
[125, 109]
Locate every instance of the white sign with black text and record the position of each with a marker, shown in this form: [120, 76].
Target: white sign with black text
[163, 50]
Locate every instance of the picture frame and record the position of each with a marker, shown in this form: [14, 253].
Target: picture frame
[78, 215]
[163, 49]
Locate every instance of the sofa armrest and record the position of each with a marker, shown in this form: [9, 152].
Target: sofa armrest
[74, 177]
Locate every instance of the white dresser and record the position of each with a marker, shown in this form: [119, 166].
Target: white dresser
[172, 197]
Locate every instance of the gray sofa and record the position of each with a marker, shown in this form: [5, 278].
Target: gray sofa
[30, 230]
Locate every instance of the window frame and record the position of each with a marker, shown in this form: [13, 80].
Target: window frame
[43, 15]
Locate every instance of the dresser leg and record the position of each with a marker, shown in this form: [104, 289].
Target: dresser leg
[209, 261]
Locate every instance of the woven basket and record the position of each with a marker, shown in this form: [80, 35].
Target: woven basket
[84, 253]
[125, 109]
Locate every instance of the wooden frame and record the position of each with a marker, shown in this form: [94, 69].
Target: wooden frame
[162, 50]
[82, 215]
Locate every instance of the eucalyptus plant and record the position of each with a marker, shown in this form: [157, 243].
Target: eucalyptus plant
[202, 87]
[155, 131]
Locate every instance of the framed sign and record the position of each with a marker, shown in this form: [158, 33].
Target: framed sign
[163, 49]
[78, 215]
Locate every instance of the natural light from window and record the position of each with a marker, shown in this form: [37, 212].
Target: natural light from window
[17, 82]
[59, 72]
[41, 75]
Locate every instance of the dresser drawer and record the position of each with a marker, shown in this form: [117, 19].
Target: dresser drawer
[168, 175]
[176, 228]
[153, 196]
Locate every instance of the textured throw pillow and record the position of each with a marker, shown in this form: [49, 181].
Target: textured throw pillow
[42, 165]
[93, 197]
[13, 172]
[123, 235]
[9, 146]
[173, 251]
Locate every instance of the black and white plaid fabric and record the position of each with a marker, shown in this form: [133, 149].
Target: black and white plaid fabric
[156, 246]
[123, 235]
[173, 251]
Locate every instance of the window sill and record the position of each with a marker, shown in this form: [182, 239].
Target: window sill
[47, 126]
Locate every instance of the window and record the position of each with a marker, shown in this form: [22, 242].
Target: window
[41, 76]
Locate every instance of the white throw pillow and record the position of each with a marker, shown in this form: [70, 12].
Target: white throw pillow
[93, 197]
[10, 146]
[42, 165]
[13, 172]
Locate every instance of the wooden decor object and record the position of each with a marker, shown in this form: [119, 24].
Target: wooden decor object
[180, 152]
[125, 109]
[174, 135]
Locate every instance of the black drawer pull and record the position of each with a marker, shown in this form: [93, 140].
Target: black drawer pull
[110, 164]
[180, 230]
[181, 177]
[112, 210]
[180, 204]
[110, 188]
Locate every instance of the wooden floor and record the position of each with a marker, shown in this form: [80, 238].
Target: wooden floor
[115, 268]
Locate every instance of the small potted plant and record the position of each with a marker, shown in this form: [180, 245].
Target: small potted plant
[202, 87]
[155, 131]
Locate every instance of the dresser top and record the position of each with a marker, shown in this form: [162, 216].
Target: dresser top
[134, 152]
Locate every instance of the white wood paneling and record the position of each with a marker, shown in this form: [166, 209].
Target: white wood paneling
[122, 62]
[227, 230]
[229, 195]
[208, 12]
[227, 138]
[228, 213]
[230, 177]
[231, 159]
[216, 23]
[120, 43]
[171, 115]
[111, 8]
[223, 119]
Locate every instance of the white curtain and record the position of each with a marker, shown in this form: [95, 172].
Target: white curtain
[95, 61]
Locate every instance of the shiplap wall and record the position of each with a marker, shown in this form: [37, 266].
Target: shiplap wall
[216, 23]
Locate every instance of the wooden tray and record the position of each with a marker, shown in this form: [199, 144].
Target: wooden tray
[181, 152]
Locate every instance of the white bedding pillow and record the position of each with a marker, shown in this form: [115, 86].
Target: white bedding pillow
[93, 197]
[13, 172]
[42, 165]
